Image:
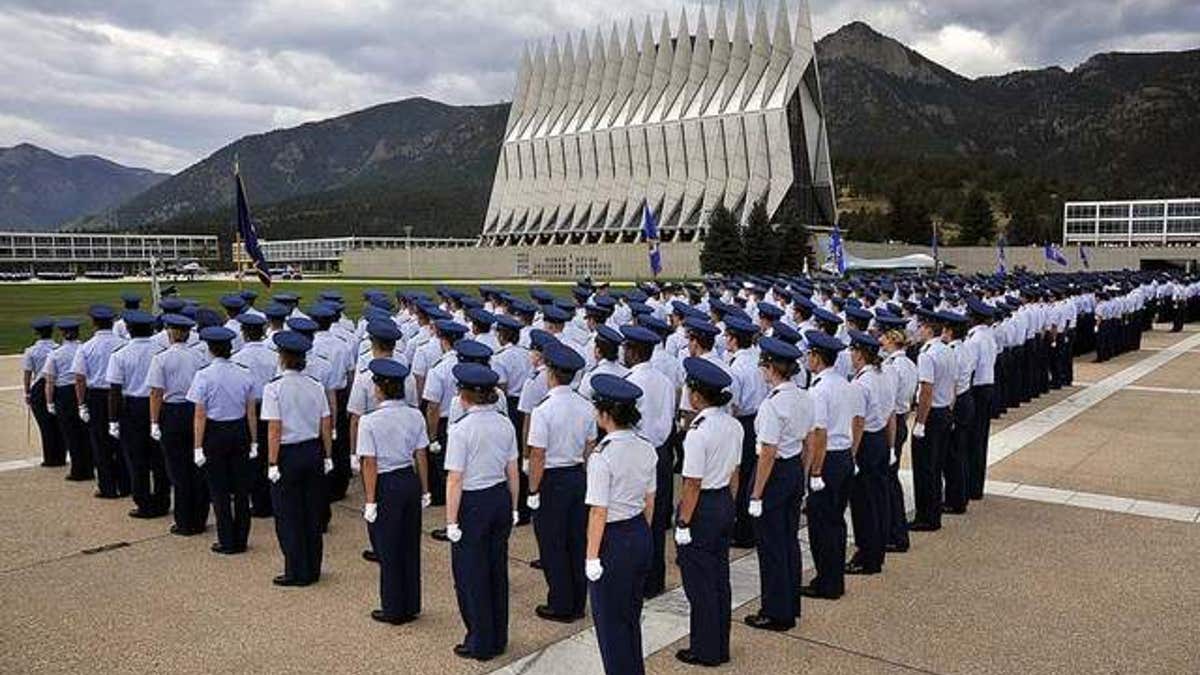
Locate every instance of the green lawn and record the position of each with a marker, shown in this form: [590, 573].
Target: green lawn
[19, 303]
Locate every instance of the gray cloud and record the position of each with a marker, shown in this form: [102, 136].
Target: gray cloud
[163, 84]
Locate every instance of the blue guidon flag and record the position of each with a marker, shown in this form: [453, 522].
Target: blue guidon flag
[1083, 257]
[650, 232]
[1054, 254]
[836, 251]
[1001, 258]
[248, 230]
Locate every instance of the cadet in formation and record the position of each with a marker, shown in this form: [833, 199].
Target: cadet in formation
[91, 393]
[62, 402]
[40, 403]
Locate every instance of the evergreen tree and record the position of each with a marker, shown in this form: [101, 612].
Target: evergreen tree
[977, 226]
[791, 245]
[758, 250]
[910, 220]
[722, 250]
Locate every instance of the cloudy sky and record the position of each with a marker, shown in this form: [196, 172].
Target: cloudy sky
[163, 84]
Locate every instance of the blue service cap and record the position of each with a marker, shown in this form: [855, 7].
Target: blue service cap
[952, 318]
[681, 308]
[383, 329]
[701, 327]
[541, 295]
[248, 295]
[509, 322]
[778, 350]
[769, 311]
[302, 324]
[291, 341]
[208, 317]
[68, 323]
[980, 308]
[858, 314]
[372, 312]
[136, 317]
[519, 306]
[42, 323]
[825, 316]
[320, 310]
[538, 339]
[803, 302]
[435, 313]
[217, 334]
[606, 387]
[469, 301]
[475, 376]
[562, 357]
[101, 312]
[581, 293]
[705, 373]
[131, 300]
[388, 369]
[251, 319]
[639, 308]
[786, 333]
[233, 301]
[170, 305]
[736, 324]
[330, 294]
[605, 301]
[555, 314]
[177, 321]
[608, 334]
[863, 340]
[890, 320]
[821, 340]
[597, 312]
[640, 335]
[276, 311]
[472, 350]
[450, 328]
[481, 315]
[654, 323]
[286, 298]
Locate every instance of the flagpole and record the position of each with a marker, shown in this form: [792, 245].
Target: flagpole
[238, 270]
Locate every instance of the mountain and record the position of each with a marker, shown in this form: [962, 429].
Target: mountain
[39, 189]
[1119, 125]
[413, 161]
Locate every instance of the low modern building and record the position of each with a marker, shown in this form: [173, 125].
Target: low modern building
[1138, 222]
[94, 252]
[325, 255]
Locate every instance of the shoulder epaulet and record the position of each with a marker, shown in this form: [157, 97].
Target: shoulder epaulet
[123, 345]
[312, 378]
[274, 379]
[322, 357]
[240, 365]
[772, 394]
[544, 399]
[603, 444]
[696, 423]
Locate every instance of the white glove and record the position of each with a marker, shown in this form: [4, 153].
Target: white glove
[50, 407]
[516, 517]
[198, 457]
[328, 465]
[254, 450]
[333, 434]
[370, 512]
[816, 483]
[534, 502]
[435, 447]
[426, 500]
[919, 430]
[854, 465]
[525, 466]
[453, 533]
[273, 474]
[755, 508]
[593, 569]
[683, 536]
[355, 463]
[114, 429]
[84, 414]
[155, 431]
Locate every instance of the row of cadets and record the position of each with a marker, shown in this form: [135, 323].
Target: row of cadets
[62, 403]
[90, 367]
[129, 417]
[562, 431]
[391, 444]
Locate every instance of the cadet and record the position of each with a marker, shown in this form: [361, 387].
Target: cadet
[983, 343]
[234, 305]
[226, 433]
[621, 493]
[437, 393]
[53, 451]
[781, 425]
[129, 417]
[954, 466]
[299, 436]
[712, 449]
[830, 465]
[171, 423]
[391, 443]
[61, 401]
[481, 488]
[131, 301]
[903, 372]
[260, 361]
[606, 351]
[751, 390]
[656, 407]
[869, 503]
[90, 366]
[513, 366]
[936, 372]
[562, 431]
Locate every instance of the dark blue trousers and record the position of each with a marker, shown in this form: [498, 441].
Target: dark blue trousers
[298, 500]
[187, 480]
[437, 467]
[230, 477]
[480, 565]
[897, 530]
[517, 418]
[704, 566]
[778, 549]
[827, 524]
[339, 478]
[927, 454]
[625, 554]
[664, 505]
[870, 508]
[74, 432]
[560, 525]
[148, 480]
[983, 397]
[112, 478]
[743, 524]
[54, 452]
[958, 451]
[260, 487]
[397, 540]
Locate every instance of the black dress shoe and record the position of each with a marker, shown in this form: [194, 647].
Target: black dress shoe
[439, 534]
[282, 580]
[378, 615]
[461, 650]
[686, 656]
[544, 612]
[181, 531]
[767, 623]
[76, 479]
[370, 555]
[896, 548]
[954, 510]
[143, 515]
[231, 550]
[859, 568]
[916, 526]
[536, 564]
[810, 592]
[260, 514]
[105, 495]
[742, 544]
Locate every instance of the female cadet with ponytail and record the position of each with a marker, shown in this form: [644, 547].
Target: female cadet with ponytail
[869, 504]
[712, 450]
[620, 492]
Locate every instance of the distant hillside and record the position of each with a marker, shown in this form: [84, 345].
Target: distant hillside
[415, 162]
[39, 189]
